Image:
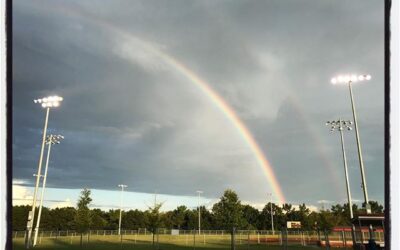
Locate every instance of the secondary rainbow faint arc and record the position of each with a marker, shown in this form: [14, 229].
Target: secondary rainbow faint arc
[207, 90]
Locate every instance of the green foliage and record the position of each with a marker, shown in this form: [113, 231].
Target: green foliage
[251, 216]
[228, 211]
[154, 217]
[375, 207]
[178, 216]
[19, 217]
[83, 215]
[134, 219]
[98, 220]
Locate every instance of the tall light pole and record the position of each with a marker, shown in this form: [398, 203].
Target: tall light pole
[47, 103]
[122, 186]
[51, 139]
[272, 214]
[198, 207]
[340, 125]
[350, 79]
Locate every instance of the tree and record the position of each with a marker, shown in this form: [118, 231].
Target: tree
[19, 214]
[302, 216]
[327, 220]
[154, 218]
[228, 211]
[376, 208]
[82, 217]
[59, 218]
[135, 219]
[251, 216]
[113, 219]
[97, 217]
[207, 219]
[178, 216]
[265, 217]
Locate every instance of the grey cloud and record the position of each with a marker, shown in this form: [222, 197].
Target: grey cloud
[129, 117]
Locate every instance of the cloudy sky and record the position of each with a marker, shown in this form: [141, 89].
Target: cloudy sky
[131, 114]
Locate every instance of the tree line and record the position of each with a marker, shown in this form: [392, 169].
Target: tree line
[227, 213]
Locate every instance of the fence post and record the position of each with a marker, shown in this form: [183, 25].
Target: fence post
[343, 239]
[233, 232]
[286, 238]
[248, 239]
[194, 239]
[158, 235]
[266, 237]
[327, 244]
[204, 238]
[258, 238]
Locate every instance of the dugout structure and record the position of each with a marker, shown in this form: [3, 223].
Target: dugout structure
[366, 227]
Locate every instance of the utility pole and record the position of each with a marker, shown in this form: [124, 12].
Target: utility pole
[122, 186]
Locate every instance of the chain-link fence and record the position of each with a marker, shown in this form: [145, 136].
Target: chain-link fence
[240, 239]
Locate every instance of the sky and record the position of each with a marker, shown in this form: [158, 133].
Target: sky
[133, 73]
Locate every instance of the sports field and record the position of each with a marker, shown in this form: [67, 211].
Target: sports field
[111, 242]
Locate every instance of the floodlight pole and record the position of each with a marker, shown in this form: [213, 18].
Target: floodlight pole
[31, 216]
[340, 125]
[346, 173]
[364, 183]
[42, 195]
[122, 186]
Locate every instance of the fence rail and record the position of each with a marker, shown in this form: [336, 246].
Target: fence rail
[240, 237]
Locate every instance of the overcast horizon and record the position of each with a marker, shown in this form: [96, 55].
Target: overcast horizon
[133, 114]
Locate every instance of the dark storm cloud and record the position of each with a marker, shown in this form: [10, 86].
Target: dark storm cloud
[128, 117]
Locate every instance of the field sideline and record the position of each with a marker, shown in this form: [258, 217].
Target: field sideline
[167, 242]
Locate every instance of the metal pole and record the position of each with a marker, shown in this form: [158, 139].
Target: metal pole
[345, 170]
[32, 215]
[272, 218]
[199, 213]
[364, 183]
[120, 210]
[42, 195]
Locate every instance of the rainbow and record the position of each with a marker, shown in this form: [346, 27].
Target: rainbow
[200, 83]
[236, 121]
[226, 110]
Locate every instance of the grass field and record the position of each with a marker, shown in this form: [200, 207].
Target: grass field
[165, 242]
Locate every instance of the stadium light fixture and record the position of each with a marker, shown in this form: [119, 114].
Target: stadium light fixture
[350, 79]
[47, 103]
[50, 140]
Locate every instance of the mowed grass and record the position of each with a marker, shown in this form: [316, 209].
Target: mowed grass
[165, 242]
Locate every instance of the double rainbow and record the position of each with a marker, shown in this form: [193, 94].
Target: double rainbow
[199, 82]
